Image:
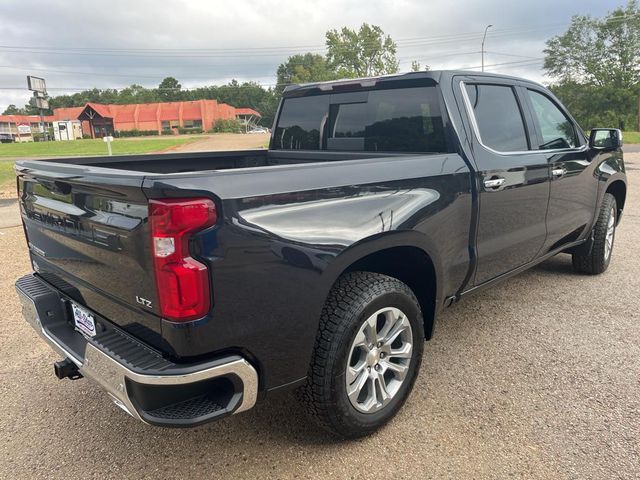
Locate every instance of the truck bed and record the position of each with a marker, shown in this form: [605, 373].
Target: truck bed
[206, 161]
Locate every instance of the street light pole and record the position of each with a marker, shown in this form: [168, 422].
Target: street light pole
[483, 39]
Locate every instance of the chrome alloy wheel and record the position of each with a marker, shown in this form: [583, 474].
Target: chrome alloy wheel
[611, 229]
[379, 360]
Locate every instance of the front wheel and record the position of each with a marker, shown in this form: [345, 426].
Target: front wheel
[367, 354]
[604, 233]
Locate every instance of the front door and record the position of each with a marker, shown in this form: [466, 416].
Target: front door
[513, 180]
[572, 199]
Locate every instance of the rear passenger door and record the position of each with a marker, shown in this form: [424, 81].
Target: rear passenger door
[513, 180]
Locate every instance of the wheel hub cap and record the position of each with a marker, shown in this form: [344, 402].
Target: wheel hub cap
[373, 357]
[379, 360]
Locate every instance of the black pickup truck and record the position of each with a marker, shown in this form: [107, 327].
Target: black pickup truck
[189, 286]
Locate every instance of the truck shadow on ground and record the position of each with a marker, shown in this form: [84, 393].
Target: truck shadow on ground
[558, 265]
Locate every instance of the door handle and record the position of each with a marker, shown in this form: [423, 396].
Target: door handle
[558, 172]
[494, 182]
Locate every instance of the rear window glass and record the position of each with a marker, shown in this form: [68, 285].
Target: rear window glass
[300, 122]
[395, 120]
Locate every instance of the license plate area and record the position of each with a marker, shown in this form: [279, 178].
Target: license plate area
[83, 321]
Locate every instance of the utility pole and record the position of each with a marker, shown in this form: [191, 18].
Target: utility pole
[483, 39]
[42, 129]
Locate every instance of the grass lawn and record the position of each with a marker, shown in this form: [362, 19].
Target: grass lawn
[120, 146]
[7, 175]
[631, 137]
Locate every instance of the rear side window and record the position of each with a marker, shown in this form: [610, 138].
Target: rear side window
[556, 129]
[498, 117]
[394, 120]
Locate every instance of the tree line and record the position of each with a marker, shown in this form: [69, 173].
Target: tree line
[595, 65]
[594, 68]
[246, 94]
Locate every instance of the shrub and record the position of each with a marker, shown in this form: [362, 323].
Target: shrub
[227, 126]
[39, 137]
[166, 131]
[134, 133]
[183, 130]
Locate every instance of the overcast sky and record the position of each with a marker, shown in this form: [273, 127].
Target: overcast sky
[85, 44]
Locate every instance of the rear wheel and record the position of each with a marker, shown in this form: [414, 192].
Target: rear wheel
[367, 354]
[604, 232]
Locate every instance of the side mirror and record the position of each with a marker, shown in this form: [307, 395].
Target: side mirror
[605, 139]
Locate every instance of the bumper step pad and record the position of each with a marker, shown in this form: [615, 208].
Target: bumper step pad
[139, 379]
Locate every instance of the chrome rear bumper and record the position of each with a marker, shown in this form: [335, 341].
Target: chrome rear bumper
[219, 388]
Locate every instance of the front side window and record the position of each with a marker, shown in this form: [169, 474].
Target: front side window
[556, 129]
[498, 117]
[391, 120]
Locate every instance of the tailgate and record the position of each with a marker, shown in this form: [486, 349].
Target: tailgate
[88, 226]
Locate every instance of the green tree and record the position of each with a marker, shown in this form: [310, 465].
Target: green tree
[169, 90]
[416, 67]
[598, 51]
[361, 53]
[595, 106]
[137, 94]
[13, 110]
[595, 65]
[304, 68]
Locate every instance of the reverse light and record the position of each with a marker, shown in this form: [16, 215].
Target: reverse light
[182, 282]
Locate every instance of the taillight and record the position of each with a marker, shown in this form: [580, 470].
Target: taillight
[182, 283]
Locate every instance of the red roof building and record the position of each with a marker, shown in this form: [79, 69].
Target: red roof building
[99, 120]
[15, 127]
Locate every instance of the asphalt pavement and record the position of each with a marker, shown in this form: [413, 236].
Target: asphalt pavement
[633, 148]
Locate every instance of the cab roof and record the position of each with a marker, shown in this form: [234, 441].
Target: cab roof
[422, 78]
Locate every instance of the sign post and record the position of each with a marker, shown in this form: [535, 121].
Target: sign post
[108, 141]
[39, 88]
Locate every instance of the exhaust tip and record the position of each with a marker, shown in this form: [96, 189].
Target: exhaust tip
[66, 369]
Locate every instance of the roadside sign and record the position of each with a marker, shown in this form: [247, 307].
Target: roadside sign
[108, 141]
[36, 84]
[24, 128]
[41, 103]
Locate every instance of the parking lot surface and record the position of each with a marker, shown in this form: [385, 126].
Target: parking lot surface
[538, 377]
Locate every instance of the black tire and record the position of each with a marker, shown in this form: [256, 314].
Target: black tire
[598, 259]
[354, 298]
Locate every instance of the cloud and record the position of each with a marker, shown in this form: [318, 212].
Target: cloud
[215, 41]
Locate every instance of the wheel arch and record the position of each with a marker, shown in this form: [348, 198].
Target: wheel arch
[618, 188]
[402, 257]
